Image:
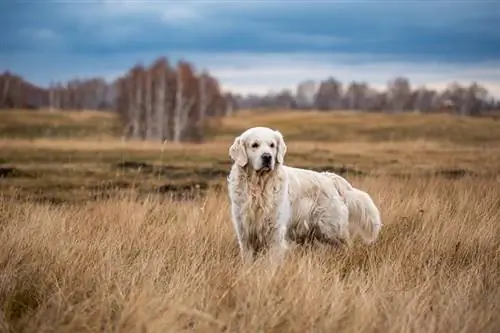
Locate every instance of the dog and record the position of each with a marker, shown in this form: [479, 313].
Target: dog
[273, 204]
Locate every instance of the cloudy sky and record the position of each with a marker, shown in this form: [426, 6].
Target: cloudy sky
[255, 45]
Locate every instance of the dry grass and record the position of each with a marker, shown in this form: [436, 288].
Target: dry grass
[129, 265]
[315, 126]
[369, 127]
[87, 246]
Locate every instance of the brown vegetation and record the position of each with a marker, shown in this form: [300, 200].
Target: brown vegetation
[88, 243]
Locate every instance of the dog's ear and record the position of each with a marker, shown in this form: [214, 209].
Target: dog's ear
[238, 152]
[281, 148]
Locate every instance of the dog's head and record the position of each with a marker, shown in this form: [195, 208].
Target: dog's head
[261, 148]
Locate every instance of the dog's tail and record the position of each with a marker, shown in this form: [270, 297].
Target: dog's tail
[364, 216]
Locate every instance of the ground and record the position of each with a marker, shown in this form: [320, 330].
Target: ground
[101, 234]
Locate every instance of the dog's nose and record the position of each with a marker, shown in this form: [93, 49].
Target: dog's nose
[266, 158]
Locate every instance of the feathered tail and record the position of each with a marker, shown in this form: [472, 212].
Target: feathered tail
[364, 216]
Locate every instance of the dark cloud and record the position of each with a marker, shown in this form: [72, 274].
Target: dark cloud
[439, 31]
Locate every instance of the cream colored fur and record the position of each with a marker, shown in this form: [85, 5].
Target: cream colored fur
[275, 204]
[364, 216]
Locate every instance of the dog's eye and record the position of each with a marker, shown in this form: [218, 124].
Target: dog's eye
[271, 145]
[255, 145]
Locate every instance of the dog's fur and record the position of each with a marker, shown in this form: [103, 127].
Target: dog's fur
[274, 204]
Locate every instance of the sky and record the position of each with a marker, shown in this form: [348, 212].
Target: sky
[257, 46]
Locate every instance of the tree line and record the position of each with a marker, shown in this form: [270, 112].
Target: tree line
[173, 102]
[156, 102]
[399, 96]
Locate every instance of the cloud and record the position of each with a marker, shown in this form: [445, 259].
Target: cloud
[463, 31]
[298, 38]
[256, 46]
[44, 35]
[40, 38]
[264, 72]
[180, 15]
[261, 73]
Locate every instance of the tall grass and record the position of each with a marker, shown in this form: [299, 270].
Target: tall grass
[129, 264]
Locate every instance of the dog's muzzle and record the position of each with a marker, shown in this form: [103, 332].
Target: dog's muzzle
[267, 160]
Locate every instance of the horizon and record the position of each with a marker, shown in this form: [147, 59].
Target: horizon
[253, 47]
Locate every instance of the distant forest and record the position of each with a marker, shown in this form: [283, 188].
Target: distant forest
[175, 103]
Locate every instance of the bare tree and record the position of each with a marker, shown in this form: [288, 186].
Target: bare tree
[476, 97]
[356, 96]
[148, 105]
[399, 94]
[306, 92]
[136, 104]
[204, 99]
[164, 104]
[183, 101]
[231, 104]
[161, 124]
[51, 96]
[424, 100]
[5, 87]
[329, 95]
[58, 95]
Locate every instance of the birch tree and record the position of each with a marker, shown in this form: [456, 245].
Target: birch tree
[183, 101]
[204, 99]
[162, 115]
[135, 106]
[148, 105]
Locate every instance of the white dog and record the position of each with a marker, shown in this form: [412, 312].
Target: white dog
[273, 204]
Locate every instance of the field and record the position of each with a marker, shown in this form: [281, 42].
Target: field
[98, 234]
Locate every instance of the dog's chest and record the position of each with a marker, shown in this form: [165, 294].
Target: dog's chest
[261, 205]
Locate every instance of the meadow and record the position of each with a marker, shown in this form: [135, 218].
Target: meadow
[100, 234]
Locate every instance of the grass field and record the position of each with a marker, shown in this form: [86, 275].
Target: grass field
[97, 234]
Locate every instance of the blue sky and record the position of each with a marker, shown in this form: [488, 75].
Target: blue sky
[257, 46]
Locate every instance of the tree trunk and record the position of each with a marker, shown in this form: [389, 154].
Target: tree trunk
[202, 105]
[149, 121]
[160, 106]
[179, 100]
[51, 97]
[136, 110]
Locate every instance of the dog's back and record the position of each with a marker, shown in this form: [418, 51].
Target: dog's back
[317, 208]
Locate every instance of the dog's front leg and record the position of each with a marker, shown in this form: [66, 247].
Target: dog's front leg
[282, 224]
[246, 251]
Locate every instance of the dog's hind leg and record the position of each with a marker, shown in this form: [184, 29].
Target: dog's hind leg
[331, 224]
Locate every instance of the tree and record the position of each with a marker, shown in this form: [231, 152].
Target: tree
[209, 91]
[306, 92]
[231, 104]
[356, 96]
[424, 100]
[285, 100]
[476, 97]
[185, 98]
[149, 126]
[329, 95]
[466, 100]
[161, 124]
[399, 94]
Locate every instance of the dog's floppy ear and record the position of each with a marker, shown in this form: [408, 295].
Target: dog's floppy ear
[238, 152]
[281, 148]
